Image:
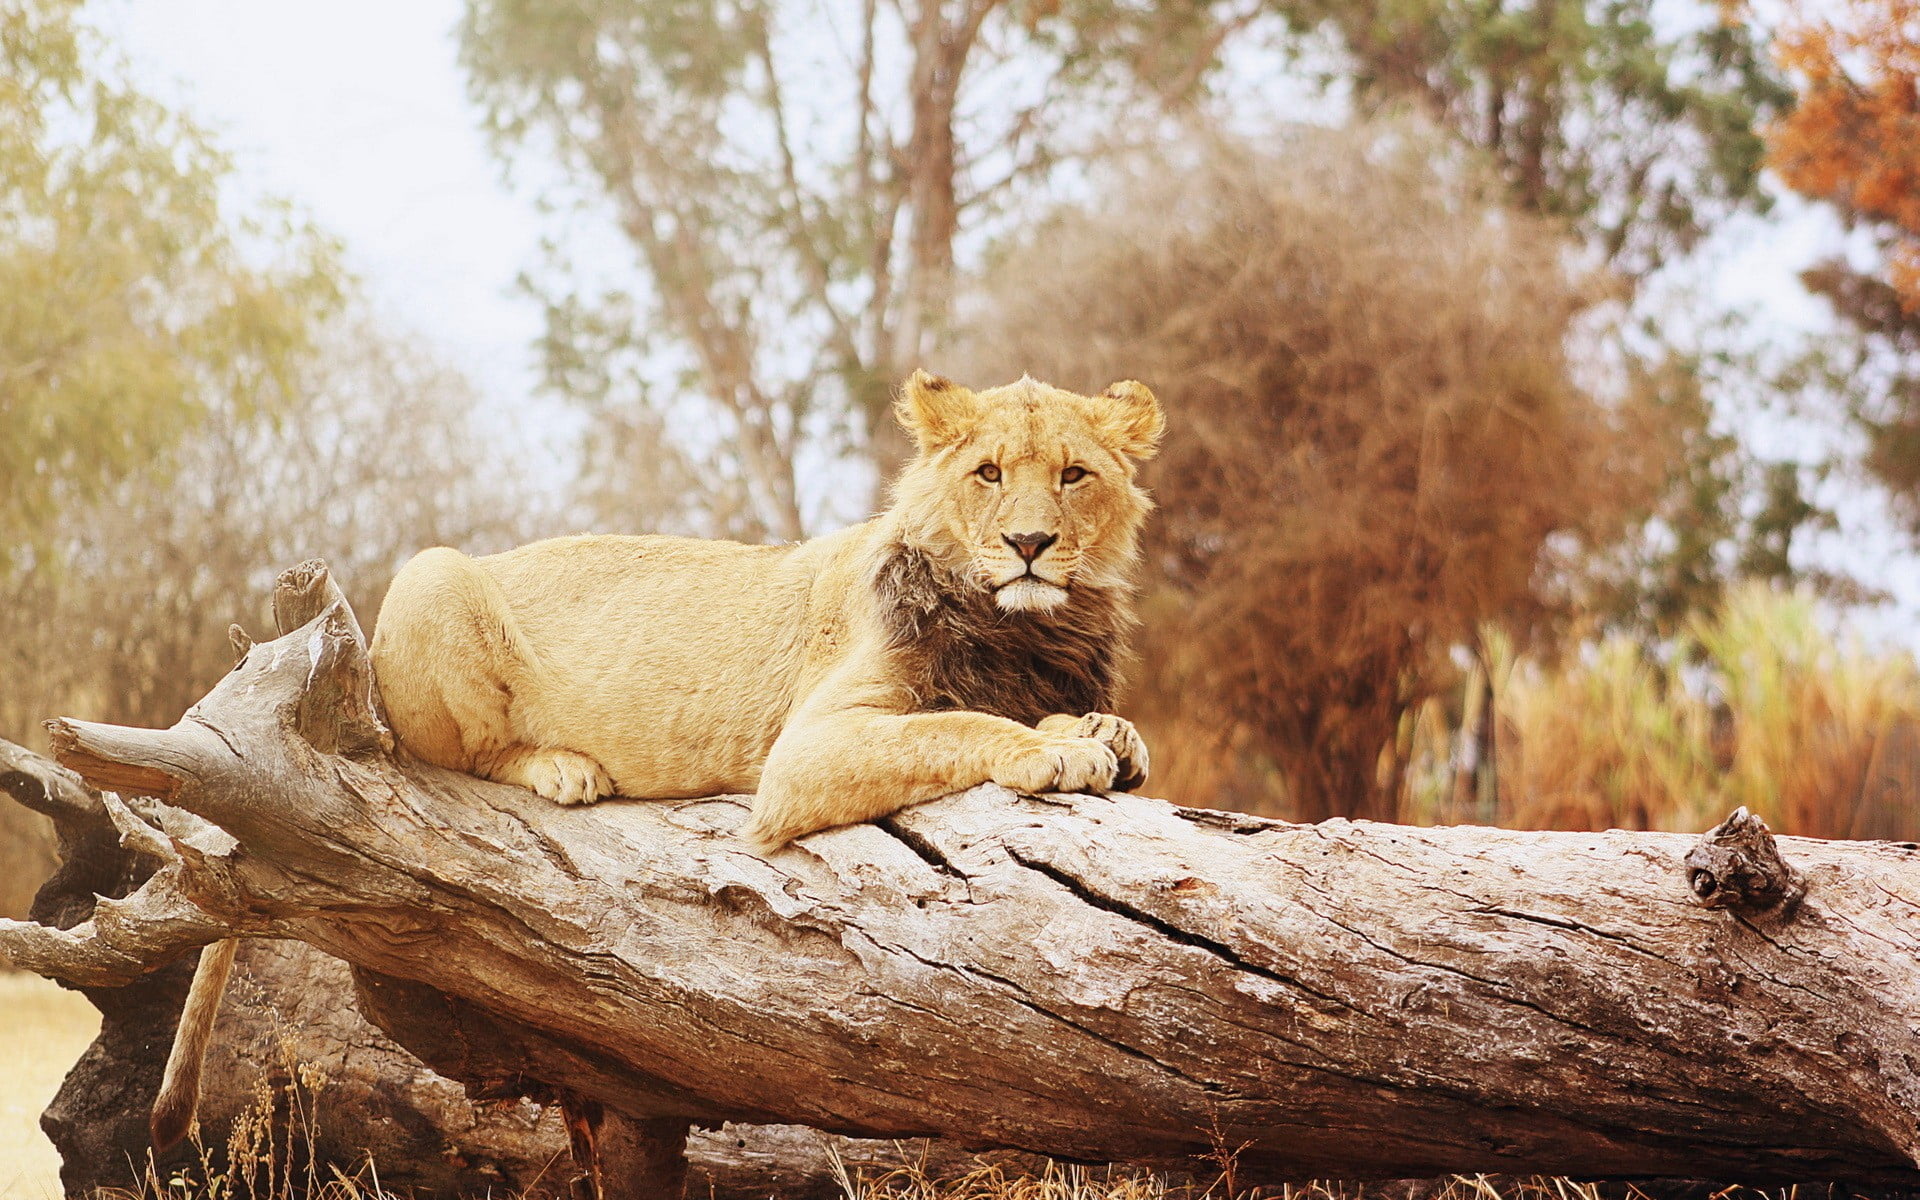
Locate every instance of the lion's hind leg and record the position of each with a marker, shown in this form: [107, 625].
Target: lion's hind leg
[449, 658]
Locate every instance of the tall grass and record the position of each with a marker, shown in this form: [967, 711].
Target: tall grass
[1762, 703]
[1806, 707]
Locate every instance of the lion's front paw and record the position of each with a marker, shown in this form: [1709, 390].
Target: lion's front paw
[562, 776]
[1061, 764]
[1116, 734]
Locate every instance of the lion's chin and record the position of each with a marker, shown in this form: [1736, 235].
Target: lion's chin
[1028, 594]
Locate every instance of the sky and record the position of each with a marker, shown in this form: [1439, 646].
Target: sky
[356, 111]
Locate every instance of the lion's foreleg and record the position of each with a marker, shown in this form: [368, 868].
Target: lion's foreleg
[839, 768]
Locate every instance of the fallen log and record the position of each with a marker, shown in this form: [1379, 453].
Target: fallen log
[1095, 977]
[291, 1025]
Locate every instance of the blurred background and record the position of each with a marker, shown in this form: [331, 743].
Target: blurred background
[1543, 375]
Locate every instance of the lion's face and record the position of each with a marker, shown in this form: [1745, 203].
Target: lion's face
[1027, 490]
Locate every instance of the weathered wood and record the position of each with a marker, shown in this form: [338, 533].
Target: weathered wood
[100, 1111]
[291, 1008]
[1105, 978]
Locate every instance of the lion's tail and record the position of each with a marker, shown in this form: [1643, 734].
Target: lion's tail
[179, 1098]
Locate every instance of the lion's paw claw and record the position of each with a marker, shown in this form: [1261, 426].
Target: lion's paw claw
[562, 776]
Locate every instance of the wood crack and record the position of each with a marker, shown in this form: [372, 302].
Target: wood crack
[1227, 954]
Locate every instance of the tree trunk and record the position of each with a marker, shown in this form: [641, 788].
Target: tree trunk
[1101, 978]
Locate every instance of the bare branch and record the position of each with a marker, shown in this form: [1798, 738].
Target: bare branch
[46, 788]
[125, 940]
[794, 212]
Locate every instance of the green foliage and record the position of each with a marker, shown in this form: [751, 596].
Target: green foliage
[1719, 516]
[131, 302]
[1871, 366]
[1639, 131]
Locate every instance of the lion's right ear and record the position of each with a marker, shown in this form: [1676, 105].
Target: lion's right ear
[936, 411]
[1129, 418]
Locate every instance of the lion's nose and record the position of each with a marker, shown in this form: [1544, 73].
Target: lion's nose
[1029, 546]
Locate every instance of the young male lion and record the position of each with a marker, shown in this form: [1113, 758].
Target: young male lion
[969, 633]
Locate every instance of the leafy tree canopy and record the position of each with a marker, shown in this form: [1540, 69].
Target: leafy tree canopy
[1639, 128]
[1852, 139]
[131, 299]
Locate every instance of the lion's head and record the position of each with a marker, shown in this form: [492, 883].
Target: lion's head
[1027, 490]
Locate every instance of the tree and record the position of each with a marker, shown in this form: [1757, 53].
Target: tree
[1377, 445]
[374, 460]
[1852, 139]
[1719, 516]
[133, 300]
[1852, 136]
[1640, 132]
[790, 190]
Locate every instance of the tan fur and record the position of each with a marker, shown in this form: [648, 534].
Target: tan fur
[662, 667]
[179, 1096]
[666, 667]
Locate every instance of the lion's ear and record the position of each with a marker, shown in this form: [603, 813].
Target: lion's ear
[936, 411]
[1129, 419]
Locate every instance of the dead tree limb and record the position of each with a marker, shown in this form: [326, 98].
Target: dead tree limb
[1105, 978]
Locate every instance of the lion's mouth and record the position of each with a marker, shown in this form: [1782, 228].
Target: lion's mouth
[1029, 593]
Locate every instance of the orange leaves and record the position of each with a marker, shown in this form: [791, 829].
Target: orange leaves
[1853, 135]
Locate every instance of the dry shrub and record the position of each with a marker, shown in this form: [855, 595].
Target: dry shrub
[1609, 739]
[1374, 441]
[1806, 708]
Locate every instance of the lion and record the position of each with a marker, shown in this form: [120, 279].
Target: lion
[973, 632]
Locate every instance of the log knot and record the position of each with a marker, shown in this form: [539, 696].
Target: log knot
[1737, 864]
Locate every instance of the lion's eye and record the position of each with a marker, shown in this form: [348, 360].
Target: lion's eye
[1073, 475]
[989, 472]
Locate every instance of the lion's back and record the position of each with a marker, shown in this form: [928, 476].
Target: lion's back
[670, 660]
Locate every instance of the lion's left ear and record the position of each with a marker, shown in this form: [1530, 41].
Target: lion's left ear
[935, 411]
[1129, 419]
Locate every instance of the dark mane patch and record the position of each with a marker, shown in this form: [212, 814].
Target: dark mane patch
[957, 649]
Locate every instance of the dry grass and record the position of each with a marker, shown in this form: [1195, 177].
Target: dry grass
[43, 1029]
[1083, 1183]
[1761, 704]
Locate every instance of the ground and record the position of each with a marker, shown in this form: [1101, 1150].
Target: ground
[43, 1029]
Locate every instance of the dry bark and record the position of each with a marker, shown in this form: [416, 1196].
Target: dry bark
[291, 1006]
[1104, 978]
